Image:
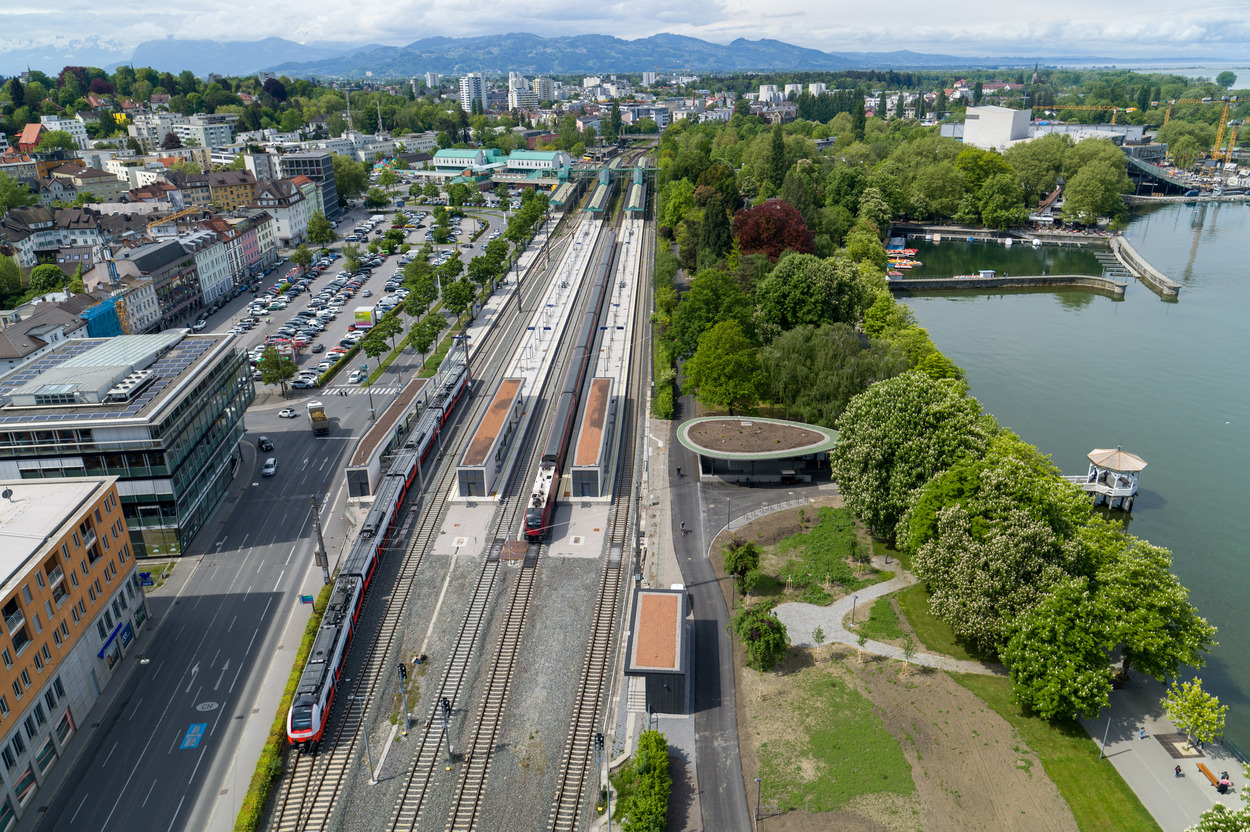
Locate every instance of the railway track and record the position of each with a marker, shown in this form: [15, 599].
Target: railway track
[415, 789]
[579, 743]
[309, 790]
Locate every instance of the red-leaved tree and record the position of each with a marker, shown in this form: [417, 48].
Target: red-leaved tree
[771, 229]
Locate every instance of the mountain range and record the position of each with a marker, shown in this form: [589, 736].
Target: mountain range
[492, 54]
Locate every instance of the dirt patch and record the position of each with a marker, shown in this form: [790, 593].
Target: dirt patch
[748, 436]
[970, 769]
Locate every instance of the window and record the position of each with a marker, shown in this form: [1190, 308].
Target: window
[47, 607]
[25, 679]
[25, 784]
[21, 639]
[26, 593]
[58, 687]
[73, 580]
[98, 519]
[38, 662]
[93, 553]
[64, 629]
[101, 629]
[10, 759]
[40, 716]
[8, 659]
[97, 586]
[108, 619]
[45, 756]
[82, 564]
[74, 612]
[39, 579]
[91, 593]
[38, 624]
[4, 707]
[32, 730]
[50, 698]
[77, 541]
[82, 608]
[47, 654]
[56, 636]
[14, 618]
[64, 552]
[19, 744]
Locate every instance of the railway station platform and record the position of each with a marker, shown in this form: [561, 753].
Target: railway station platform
[364, 469]
[486, 460]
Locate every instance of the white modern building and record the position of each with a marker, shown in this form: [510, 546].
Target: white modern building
[996, 128]
[473, 88]
[75, 128]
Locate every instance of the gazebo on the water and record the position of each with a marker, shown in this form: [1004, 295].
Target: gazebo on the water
[1112, 477]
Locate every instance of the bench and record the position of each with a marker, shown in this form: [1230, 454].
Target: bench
[1215, 781]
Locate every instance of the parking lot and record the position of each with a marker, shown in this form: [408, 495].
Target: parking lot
[315, 319]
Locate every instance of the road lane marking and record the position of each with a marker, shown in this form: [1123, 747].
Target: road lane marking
[224, 668]
[110, 754]
[278, 583]
[174, 819]
[79, 809]
[145, 797]
[231, 627]
[291, 555]
[194, 670]
[266, 610]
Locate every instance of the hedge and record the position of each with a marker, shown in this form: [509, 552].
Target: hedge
[269, 766]
[644, 785]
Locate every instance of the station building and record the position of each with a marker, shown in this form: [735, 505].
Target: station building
[163, 413]
[72, 608]
[749, 450]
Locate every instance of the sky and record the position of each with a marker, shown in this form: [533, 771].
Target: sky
[1137, 29]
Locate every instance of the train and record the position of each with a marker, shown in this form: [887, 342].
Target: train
[310, 709]
[542, 500]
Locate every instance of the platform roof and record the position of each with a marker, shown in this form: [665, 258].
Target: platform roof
[797, 438]
[590, 438]
[382, 427]
[657, 632]
[488, 429]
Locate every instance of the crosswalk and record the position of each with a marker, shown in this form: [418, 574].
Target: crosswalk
[359, 390]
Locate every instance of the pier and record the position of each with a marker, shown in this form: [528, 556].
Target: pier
[1148, 274]
[1112, 477]
[1092, 282]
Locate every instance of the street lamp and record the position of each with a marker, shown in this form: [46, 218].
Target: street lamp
[854, 598]
[364, 729]
[759, 786]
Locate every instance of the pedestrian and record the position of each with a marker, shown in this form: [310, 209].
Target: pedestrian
[1178, 771]
[1141, 733]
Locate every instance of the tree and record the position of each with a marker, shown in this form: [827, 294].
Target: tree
[714, 296]
[14, 194]
[423, 335]
[17, 96]
[896, 435]
[186, 166]
[351, 257]
[302, 257]
[56, 140]
[1002, 202]
[777, 157]
[320, 232]
[274, 369]
[10, 280]
[715, 232]
[815, 371]
[763, 636]
[457, 296]
[725, 369]
[1157, 627]
[1057, 653]
[1226, 78]
[1185, 152]
[772, 228]
[739, 557]
[979, 165]
[804, 289]
[374, 344]
[47, 278]
[430, 191]
[76, 286]
[388, 179]
[171, 142]
[1197, 714]
[818, 636]
[1095, 191]
[351, 179]
[376, 198]
[1037, 164]
[292, 121]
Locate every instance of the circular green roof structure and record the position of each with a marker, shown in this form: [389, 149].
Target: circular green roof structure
[754, 438]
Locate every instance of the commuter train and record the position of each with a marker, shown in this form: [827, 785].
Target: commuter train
[542, 500]
[306, 721]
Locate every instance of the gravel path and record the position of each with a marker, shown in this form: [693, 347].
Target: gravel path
[801, 621]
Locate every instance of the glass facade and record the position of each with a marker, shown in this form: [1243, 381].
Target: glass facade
[172, 473]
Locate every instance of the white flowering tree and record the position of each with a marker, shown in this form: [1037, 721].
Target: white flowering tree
[1198, 714]
[1058, 653]
[896, 435]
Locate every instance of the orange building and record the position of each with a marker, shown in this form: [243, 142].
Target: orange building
[72, 605]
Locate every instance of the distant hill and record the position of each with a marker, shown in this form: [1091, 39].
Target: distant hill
[53, 53]
[234, 57]
[532, 54]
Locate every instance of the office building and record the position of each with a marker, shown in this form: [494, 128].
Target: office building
[163, 413]
[473, 88]
[317, 165]
[72, 607]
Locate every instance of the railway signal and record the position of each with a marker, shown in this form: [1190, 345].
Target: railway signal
[445, 709]
[403, 692]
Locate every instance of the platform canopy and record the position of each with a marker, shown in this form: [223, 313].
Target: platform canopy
[1116, 459]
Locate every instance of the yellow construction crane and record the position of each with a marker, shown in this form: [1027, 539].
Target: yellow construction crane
[1232, 141]
[1115, 111]
[1227, 101]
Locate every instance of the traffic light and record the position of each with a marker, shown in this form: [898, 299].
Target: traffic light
[403, 671]
[446, 707]
[599, 741]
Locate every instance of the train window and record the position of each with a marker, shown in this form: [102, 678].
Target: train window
[301, 718]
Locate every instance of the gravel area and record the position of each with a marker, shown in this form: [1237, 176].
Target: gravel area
[526, 761]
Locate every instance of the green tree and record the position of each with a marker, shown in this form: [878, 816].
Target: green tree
[1185, 152]
[714, 296]
[804, 289]
[715, 232]
[896, 435]
[1002, 202]
[302, 257]
[388, 179]
[47, 278]
[10, 280]
[274, 369]
[85, 198]
[1038, 164]
[874, 210]
[815, 371]
[1095, 191]
[645, 809]
[351, 257]
[763, 636]
[430, 191]
[1057, 653]
[725, 369]
[320, 232]
[457, 296]
[1226, 78]
[14, 194]
[777, 158]
[374, 344]
[980, 165]
[56, 140]
[740, 557]
[292, 121]
[376, 198]
[1156, 626]
[1198, 714]
[423, 335]
[351, 178]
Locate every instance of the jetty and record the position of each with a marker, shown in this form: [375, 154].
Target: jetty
[1092, 282]
[1165, 287]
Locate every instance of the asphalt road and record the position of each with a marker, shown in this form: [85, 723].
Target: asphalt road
[722, 794]
[157, 758]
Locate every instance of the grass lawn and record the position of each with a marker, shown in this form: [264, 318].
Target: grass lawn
[1100, 799]
[838, 749]
[934, 633]
[824, 552]
[160, 570]
[882, 623]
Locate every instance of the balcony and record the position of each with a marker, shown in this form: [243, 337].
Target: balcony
[56, 576]
[14, 621]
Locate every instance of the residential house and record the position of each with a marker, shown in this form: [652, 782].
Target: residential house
[30, 137]
[104, 186]
[39, 327]
[193, 186]
[312, 195]
[174, 277]
[49, 191]
[76, 129]
[212, 263]
[231, 189]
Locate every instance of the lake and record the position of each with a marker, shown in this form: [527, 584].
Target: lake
[1071, 371]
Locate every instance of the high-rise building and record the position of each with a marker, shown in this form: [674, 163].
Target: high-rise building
[72, 607]
[544, 89]
[648, 79]
[433, 80]
[317, 165]
[473, 88]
